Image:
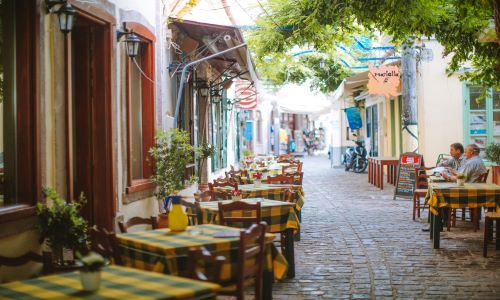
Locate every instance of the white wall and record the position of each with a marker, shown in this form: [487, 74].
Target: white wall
[440, 106]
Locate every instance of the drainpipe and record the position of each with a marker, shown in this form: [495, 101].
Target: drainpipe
[184, 71]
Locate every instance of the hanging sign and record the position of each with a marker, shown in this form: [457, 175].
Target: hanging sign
[383, 80]
[353, 118]
[405, 184]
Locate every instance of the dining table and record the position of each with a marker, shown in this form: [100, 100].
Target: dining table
[376, 170]
[279, 216]
[450, 195]
[117, 282]
[164, 251]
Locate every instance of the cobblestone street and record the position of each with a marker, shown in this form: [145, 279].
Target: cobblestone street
[358, 243]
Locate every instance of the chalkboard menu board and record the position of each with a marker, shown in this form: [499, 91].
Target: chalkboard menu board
[405, 184]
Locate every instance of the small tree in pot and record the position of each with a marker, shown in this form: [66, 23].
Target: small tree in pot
[171, 153]
[61, 224]
[492, 153]
[204, 151]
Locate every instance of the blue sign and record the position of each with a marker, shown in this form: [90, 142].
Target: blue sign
[354, 118]
[249, 130]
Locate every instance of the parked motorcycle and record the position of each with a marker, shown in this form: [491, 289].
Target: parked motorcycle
[355, 157]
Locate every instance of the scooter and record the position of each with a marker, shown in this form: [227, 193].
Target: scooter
[355, 157]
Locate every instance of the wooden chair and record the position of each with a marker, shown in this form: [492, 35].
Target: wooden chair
[297, 177]
[285, 179]
[249, 264]
[201, 256]
[488, 230]
[252, 209]
[420, 191]
[209, 195]
[45, 259]
[292, 168]
[138, 221]
[193, 213]
[212, 186]
[106, 244]
[288, 195]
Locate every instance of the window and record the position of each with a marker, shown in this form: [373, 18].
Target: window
[482, 117]
[18, 107]
[140, 97]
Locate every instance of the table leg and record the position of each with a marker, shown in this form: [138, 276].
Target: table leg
[369, 170]
[267, 284]
[297, 236]
[290, 252]
[431, 222]
[436, 230]
[497, 235]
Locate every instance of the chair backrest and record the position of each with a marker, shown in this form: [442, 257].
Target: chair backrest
[421, 178]
[292, 168]
[212, 186]
[45, 259]
[213, 195]
[106, 244]
[288, 195]
[483, 178]
[211, 265]
[251, 257]
[297, 177]
[253, 210]
[282, 178]
[138, 221]
[193, 212]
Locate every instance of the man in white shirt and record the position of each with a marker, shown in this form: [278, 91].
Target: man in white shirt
[473, 166]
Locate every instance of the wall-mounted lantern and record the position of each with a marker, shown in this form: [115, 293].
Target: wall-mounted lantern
[66, 14]
[132, 42]
[202, 88]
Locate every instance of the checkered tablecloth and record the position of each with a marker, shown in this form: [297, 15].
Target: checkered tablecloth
[471, 195]
[116, 283]
[163, 251]
[278, 215]
[270, 191]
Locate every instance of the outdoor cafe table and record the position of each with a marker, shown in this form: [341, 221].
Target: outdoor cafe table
[450, 195]
[279, 216]
[116, 283]
[166, 252]
[270, 191]
[376, 170]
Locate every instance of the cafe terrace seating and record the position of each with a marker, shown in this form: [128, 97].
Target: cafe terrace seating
[249, 264]
[248, 208]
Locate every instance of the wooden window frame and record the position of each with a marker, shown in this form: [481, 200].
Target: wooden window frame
[27, 110]
[148, 108]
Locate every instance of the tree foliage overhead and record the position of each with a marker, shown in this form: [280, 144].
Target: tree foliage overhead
[321, 24]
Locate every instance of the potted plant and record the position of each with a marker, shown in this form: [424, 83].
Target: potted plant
[236, 195]
[60, 224]
[492, 153]
[171, 154]
[90, 271]
[204, 151]
[257, 179]
[461, 179]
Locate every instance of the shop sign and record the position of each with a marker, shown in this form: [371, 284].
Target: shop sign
[383, 80]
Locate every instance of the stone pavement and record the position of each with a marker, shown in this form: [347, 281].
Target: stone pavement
[358, 243]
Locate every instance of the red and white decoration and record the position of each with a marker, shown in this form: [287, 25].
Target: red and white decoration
[246, 95]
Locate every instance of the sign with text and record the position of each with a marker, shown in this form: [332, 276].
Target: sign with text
[405, 184]
[383, 80]
[354, 118]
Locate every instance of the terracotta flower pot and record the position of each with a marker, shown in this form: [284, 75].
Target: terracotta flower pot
[162, 220]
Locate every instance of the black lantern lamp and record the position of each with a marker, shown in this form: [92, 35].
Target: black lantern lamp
[215, 95]
[202, 88]
[66, 15]
[132, 42]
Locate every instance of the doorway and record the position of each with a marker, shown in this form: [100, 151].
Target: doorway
[92, 159]
[372, 128]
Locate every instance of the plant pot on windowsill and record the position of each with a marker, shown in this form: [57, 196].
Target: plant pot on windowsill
[163, 220]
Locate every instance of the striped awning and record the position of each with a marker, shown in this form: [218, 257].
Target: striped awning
[246, 94]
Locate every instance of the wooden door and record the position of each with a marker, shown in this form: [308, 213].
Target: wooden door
[91, 118]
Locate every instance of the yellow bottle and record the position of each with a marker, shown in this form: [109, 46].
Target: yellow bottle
[177, 218]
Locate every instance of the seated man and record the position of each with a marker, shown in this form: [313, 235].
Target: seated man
[473, 166]
[457, 157]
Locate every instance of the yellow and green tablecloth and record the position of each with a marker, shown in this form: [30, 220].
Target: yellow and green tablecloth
[163, 251]
[278, 215]
[116, 283]
[270, 191]
[471, 195]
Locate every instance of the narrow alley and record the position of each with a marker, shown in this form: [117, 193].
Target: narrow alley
[358, 243]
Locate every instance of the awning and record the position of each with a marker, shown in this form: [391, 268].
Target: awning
[205, 39]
